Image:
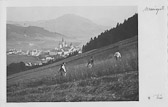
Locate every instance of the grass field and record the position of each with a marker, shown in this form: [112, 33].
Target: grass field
[108, 80]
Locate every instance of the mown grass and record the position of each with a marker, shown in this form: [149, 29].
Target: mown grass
[108, 80]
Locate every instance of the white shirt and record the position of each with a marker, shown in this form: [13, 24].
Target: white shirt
[63, 67]
[117, 54]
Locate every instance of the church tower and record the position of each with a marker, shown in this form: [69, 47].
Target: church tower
[62, 42]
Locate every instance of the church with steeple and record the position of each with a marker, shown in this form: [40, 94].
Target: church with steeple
[62, 43]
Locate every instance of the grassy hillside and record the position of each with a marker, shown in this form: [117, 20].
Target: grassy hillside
[118, 87]
[108, 80]
[104, 53]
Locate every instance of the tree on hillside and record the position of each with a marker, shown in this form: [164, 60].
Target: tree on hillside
[15, 68]
[127, 29]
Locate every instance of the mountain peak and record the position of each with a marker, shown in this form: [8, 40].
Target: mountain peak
[71, 25]
[70, 15]
[74, 18]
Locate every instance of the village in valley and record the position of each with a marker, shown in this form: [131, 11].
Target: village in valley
[63, 50]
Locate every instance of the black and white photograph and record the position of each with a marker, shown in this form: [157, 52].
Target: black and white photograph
[72, 54]
[61, 53]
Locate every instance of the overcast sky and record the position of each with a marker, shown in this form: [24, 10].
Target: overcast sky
[100, 14]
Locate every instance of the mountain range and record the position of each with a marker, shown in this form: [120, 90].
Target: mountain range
[69, 26]
[31, 37]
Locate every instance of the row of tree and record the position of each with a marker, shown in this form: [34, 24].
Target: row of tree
[127, 29]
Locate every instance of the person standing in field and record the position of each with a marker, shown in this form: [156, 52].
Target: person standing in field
[90, 62]
[117, 55]
[62, 70]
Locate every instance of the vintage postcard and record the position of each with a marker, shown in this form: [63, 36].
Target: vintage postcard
[92, 52]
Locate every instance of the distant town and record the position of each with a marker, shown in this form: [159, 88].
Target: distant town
[63, 50]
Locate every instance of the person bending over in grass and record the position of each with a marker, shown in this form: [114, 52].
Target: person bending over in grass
[62, 69]
[117, 55]
[90, 62]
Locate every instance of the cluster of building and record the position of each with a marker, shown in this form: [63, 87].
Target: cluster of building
[63, 50]
[17, 52]
[33, 52]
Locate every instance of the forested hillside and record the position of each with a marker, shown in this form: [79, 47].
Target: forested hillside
[127, 29]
